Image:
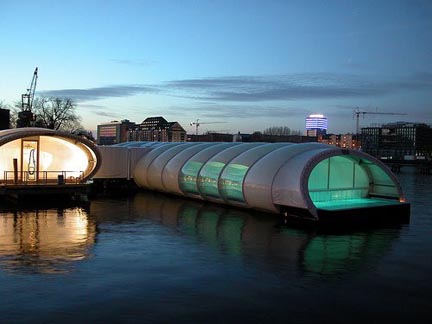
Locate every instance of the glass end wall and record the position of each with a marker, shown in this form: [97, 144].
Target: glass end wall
[341, 182]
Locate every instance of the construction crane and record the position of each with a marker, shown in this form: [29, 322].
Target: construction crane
[358, 112]
[197, 124]
[25, 116]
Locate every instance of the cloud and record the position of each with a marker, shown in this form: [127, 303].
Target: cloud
[217, 110]
[105, 114]
[81, 95]
[93, 107]
[99, 110]
[255, 89]
[293, 87]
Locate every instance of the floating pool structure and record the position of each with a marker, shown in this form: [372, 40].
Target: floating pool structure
[308, 179]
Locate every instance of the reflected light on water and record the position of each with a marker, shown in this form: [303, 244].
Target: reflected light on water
[44, 241]
[47, 241]
[260, 237]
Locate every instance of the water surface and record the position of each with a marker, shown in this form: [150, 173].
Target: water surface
[156, 258]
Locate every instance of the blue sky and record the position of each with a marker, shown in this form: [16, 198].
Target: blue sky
[249, 64]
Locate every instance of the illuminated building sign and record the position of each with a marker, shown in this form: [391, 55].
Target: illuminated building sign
[316, 122]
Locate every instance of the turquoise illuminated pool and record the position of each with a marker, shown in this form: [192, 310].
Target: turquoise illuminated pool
[354, 203]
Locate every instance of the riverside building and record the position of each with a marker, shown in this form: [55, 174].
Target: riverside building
[398, 141]
[152, 129]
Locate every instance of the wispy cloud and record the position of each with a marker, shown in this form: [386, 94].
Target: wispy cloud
[100, 92]
[98, 110]
[218, 110]
[293, 87]
[91, 107]
[105, 114]
[255, 89]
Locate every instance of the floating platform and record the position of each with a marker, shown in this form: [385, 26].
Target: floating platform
[19, 192]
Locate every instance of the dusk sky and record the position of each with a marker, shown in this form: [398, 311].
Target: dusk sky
[249, 64]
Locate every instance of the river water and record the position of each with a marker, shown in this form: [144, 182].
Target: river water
[151, 258]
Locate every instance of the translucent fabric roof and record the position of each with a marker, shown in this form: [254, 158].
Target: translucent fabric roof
[268, 176]
[39, 154]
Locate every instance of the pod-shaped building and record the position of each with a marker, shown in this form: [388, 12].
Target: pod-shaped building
[39, 155]
[303, 179]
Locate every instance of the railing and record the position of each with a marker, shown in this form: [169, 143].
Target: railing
[42, 177]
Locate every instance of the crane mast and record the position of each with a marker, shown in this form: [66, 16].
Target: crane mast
[27, 98]
[197, 124]
[25, 116]
[358, 112]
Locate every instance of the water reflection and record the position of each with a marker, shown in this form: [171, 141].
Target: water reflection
[253, 237]
[44, 241]
[51, 240]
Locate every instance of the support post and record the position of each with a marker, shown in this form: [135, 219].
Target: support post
[15, 167]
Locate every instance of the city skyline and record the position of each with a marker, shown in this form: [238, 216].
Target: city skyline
[250, 64]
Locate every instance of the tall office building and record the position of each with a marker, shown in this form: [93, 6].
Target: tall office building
[114, 132]
[158, 129]
[316, 125]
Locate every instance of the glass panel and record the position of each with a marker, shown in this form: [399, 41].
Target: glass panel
[57, 155]
[208, 178]
[341, 173]
[382, 183]
[232, 182]
[361, 178]
[380, 176]
[188, 177]
[318, 179]
[9, 152]
[348, 180]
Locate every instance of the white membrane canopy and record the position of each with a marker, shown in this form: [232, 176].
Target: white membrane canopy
[268, 176]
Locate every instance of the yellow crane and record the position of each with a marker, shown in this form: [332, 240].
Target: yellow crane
[359, 112]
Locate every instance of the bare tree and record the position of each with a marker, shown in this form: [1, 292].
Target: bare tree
[296, 132]
[14, 111]
[277, 130]
[57, 114]
[3, 105]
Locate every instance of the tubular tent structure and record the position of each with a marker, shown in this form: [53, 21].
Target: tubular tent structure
[273, 177]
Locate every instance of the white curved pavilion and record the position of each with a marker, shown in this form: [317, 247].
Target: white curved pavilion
[273, 177]
[39, 155]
